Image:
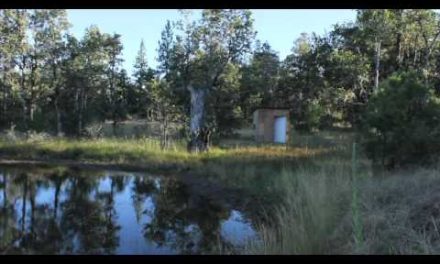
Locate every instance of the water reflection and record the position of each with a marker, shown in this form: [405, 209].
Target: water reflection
[70, 211]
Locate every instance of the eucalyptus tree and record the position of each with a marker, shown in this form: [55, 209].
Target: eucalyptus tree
[204, 50]
[21, 59]
[165, 99]
[377, 24]
[302, 80]
[113, 49]
[73, 79]
[92, 64]
[259, 79]
[35, 88]
[166, 111]
[13, 24]
[50, 29]
[223, 110]
[428, 25]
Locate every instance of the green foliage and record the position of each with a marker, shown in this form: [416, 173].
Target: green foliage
[198, 63]
[224, 112]
[138, 95]
[401, 122]
[312, 116]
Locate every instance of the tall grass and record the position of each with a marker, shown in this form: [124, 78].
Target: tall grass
[340, 207]
[355, 205]
[318, 196]
[315, 201]
[399, 213]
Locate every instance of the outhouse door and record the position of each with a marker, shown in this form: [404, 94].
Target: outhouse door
[280, 129]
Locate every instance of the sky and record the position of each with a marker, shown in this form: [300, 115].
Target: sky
[279, 27]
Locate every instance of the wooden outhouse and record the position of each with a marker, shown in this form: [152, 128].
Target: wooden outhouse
[271, 125]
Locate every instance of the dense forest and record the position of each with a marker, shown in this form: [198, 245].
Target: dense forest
[212, 72]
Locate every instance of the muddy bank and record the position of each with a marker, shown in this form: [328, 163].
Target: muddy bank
[162, 168]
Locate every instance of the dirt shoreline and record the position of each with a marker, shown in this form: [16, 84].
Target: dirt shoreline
[168, 168]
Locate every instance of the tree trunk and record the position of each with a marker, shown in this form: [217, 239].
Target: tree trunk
[23, 92]
[32, 106]
[56, 102]
[415, 58]
[426, 68]
[58, 117]
[80, 111]
[164, 143]
[196, 143]
[5, 98]
[4, 107]
[25, 119]
[80, 122]
[377, 66]
[399, 57]
[399, 51]
[31, 109]
[80, 117]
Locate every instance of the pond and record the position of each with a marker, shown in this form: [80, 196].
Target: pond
[60, 210]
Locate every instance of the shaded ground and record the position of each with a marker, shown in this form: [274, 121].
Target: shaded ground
[170, 168]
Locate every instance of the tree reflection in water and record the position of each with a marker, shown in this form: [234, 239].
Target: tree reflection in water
[71, 211]
[184, 221]
[88, 218]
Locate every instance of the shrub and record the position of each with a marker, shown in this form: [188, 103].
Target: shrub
[94, 130]
[11, 134]
[401, 122]
[33, 136]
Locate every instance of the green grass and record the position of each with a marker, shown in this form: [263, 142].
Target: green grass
[119, 151]
[147, 152]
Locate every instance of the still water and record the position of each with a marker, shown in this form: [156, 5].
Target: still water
[71, 211]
